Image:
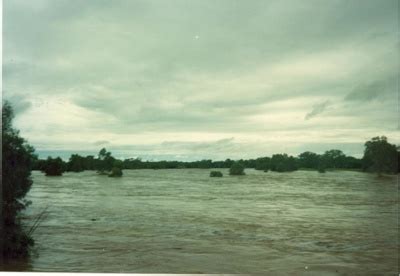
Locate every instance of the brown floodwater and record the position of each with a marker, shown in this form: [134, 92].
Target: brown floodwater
[183, 221]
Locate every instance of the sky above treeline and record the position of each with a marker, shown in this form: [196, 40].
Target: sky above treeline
[187, 80]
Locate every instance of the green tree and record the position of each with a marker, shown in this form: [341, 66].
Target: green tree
[236, 169]
[76, 163]
[17, 162]
[105, 161]
[262, 163]
[334, 158]
[54, 167]
[380, 156]
[309, 160]
[283, 163]
[90, 163]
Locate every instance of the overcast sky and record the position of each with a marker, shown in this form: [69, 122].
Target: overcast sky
[202, 79]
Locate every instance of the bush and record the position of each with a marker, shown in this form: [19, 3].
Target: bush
[236, 169]
[115, 172]
[216, 174]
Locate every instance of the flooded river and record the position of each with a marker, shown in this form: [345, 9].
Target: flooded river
[183, 221]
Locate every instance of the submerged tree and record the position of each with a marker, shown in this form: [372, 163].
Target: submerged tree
[216, 174]
[334, 158]
[262, 163]
[321, 168]
[236, 169]
[76, 163]
[380, 156]
[115, 172]
[309, 160]
[17, 162]
[283, 163]
[54, 166]
[105, 161]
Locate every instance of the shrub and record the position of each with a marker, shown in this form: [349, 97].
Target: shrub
[236, 169]
[216, 174]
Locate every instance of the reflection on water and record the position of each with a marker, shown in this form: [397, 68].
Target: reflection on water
[183, 221]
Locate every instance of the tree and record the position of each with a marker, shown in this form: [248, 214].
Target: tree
[105, 161]
[380, 156]
[351, 162]
[334, 158]
[76, 163]
[236, 169]
[283, 163]
[89, 162]
[54, 166]
[17, 162]
[308, 160]
[228, 163]
[262, 163]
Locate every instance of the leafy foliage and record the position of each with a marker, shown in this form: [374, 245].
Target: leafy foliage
[237, 169]
[17, 161]
[76, 163]
[216, 174]
[309, 160]
[380, 156]
[105, 161]
[331, 159]
[283, 163]
[263, 164]
[54, 166]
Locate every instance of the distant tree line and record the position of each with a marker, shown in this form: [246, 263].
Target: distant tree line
[379, 156]
[104, 163]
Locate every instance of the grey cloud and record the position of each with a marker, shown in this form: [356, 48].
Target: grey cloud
[367, 92]
[101, 143]
[317, 110]
[216, 146]
[139, 64]
[188, 150]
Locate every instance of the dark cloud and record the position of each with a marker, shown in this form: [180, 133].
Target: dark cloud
[130, 67]
[101, 143]
[367, 92]
[317, 109]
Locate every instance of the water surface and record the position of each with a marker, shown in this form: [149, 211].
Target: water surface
[183, 221]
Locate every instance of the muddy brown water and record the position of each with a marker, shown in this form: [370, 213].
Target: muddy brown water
[183, 221]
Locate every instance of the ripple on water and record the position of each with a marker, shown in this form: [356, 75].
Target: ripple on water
[183, 221]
